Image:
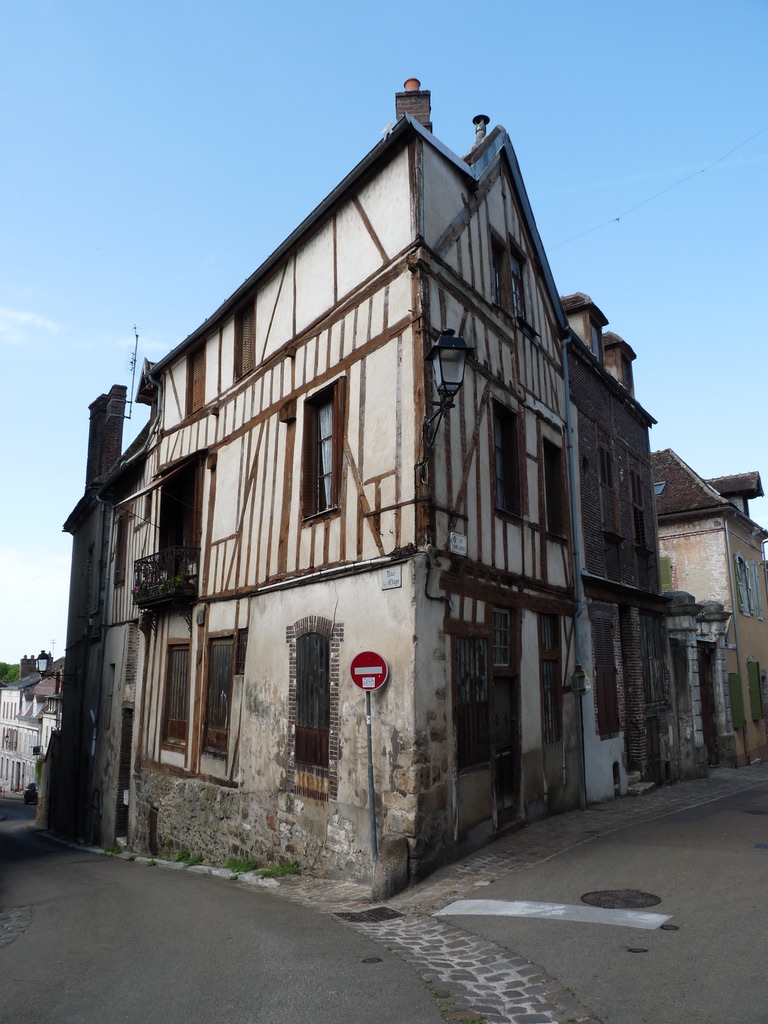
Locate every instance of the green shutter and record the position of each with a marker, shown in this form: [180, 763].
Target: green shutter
[755, 693]
[739, 584]
[737, 700]
[665, 567]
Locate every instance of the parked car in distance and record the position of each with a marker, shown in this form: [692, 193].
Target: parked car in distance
[30, 793]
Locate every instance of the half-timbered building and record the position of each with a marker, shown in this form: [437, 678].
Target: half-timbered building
[299, 499]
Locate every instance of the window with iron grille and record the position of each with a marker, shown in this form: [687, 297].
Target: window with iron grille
[176, 714]
[472, 708]
[312, 730]
[501, 639]
[196, 380]
[553, 488]
[549, 651]
[321, 469]
[218, 695]
[506, 460]
[245, 340]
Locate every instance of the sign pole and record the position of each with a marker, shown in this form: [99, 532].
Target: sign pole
[369, 671]
[371, 791]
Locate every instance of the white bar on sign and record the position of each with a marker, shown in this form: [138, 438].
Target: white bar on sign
[367, 671]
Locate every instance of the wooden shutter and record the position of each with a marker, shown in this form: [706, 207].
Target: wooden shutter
[665, 567]
[605, 673]
[755, 692]
[177, 695]
[196, 372]
[245, 340]
[219, 690]
[737, 700]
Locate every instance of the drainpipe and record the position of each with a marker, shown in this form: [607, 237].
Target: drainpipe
[581, 604]
[734, 620]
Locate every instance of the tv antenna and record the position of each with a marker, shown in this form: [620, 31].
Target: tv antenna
[132, 367]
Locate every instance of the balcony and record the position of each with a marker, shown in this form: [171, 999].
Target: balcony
[169, 577]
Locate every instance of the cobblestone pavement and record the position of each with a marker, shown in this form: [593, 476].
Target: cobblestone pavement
[472, 977]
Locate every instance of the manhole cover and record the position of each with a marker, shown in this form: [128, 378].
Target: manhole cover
[636, 949]
[620, 899]
[371, 916]
[670, 927]
[372, 960]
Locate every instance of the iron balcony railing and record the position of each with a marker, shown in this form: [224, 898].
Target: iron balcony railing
[167, 577]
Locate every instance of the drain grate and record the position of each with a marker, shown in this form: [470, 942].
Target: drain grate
[372, 916]
[620, 899]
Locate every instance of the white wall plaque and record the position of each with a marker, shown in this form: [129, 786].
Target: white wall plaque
[458, 544]
[391, 577]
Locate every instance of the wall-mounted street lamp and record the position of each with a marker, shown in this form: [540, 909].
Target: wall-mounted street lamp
[449, 359]
[42, 663]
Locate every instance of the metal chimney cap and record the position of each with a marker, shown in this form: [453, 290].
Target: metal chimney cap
[482, 119]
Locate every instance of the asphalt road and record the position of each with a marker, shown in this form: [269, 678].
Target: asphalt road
[87, 938]
[709, 866]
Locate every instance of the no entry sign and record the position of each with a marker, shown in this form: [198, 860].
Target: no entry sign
[368, 670]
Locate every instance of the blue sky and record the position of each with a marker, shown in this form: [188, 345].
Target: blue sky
[155, 153]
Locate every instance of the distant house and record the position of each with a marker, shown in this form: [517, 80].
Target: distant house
[712, 549]
[25, 725]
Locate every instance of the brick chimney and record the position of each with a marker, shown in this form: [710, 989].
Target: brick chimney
[416, 102]
[105, 439]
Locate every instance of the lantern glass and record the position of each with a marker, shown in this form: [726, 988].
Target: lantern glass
[41, 663]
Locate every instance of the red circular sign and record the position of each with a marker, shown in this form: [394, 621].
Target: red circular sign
[368, 670]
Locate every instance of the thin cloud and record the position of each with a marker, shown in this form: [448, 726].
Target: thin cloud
[15, 325]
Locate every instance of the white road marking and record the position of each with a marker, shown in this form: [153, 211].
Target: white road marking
[554, 912]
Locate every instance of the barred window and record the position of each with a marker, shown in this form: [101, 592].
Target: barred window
[549, 647]
[472, 707]
[176, 716]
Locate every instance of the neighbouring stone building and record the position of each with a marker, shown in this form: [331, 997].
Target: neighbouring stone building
[712, 549]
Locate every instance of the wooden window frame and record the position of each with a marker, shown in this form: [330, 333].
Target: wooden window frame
[639, 525]
[196, 379]
[245, 340]
[218, 695]
[321, 477]
[175, 725]
[550, 668]
[508, 277]
[605, 681]
[506, 461]
[553, 488]
[502, 638]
